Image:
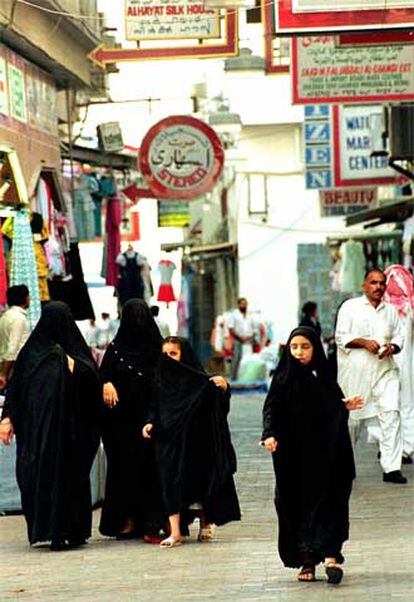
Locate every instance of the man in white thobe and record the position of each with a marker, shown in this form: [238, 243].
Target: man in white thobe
[241, 327]
[368, 335]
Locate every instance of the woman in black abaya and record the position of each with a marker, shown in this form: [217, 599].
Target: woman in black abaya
[195, 454]
[132, 506]
[52, 405]
[306, 429]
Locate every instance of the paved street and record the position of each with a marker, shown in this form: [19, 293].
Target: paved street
[242, 563]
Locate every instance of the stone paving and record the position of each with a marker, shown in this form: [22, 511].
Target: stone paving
[242, 564]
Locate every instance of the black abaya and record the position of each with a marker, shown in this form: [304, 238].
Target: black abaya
[132, 483]
[54, 413]
[196, 457]
[313, 462]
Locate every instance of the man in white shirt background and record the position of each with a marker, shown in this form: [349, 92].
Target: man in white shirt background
[368, 335]
[14, 330]
[241, 328]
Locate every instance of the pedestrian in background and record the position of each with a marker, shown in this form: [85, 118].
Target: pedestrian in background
[162, 325]
[52, 405]
[368, 335]
[310, 318]
[14, 329]
[305, 427]
[241, 327]
[132, 505]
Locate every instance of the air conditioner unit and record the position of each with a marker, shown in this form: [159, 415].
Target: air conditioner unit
[402, 132]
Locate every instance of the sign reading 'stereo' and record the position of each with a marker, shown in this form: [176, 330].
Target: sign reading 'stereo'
[181, 158]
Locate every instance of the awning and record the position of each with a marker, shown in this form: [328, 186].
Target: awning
[396, 212]
[99, 158]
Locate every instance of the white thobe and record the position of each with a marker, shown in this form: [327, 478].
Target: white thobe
[361, 372]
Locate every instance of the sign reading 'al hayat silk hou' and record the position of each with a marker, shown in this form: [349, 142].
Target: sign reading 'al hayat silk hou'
[170, 20]
[324, 73]
[181, 158]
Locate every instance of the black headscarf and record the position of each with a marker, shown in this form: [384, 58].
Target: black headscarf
[138, 334]
[313, 462]
[188, 355]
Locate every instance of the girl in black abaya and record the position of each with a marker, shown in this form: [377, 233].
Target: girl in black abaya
[195, 454]
[306, 430]
[132, 506]
[52, 405]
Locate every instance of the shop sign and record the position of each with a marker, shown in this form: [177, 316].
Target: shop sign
[353, 145]
[17, 92]
[4, 103]
[307, 16]
[110, 136]
[344, 201]
[181, 158]
[41, 101]
[318, 142]
[174, 214]
[338, 144]
[324, 73]
[170, 20]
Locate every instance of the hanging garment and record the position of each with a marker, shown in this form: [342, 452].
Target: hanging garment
[40, 235]
[23, 262]
[146, 277]
[73, 291]
[166, 291]
[84, 209]
[3, 273]
[95, 190]
[44, 204]
[130, 281]
[400, 293]
[353, 266]
[113, 240]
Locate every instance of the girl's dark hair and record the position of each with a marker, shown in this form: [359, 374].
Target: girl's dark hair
[174, 340]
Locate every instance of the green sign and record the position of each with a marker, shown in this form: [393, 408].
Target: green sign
[173, 214]
[17, 94]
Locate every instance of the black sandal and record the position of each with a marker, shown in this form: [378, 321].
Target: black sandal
[334, 573]
[306, 570]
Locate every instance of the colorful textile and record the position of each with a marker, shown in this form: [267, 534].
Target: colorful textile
[400, 289]
[3, 273]
[166, 291]
[23, 265]
[113, 244]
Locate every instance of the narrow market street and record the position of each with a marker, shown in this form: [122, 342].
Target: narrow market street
[242, 563]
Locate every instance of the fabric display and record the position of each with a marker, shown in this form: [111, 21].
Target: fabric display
[400, 293]
[166, 292]
[130, 281]
[23, 262]
[352, 270]
[3, 273]
[112, 245]
[84, 208]
[96, 195]
[39, 235]
[408, 239]
[146, 277]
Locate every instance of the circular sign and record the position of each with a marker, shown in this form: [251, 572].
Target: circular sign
[181, 158]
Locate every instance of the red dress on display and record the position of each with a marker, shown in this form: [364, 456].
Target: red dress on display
[166, 291]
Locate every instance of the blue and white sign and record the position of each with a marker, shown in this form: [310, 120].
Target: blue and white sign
[356, 143]
[318, 138]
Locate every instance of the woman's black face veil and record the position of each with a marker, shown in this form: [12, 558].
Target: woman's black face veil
[137, 329]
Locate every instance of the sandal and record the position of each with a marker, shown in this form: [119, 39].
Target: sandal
[307, 573]
[206, 533]
[334, 573]
[170, 542]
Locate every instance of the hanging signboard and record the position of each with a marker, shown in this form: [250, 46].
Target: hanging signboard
[344, 201]
[353, 145]
[4, 103]
[157, 41]
[322, 16]
[338, 144]
[17, 91]
[323, 73]
[181, 158]
[174, 214]
[170, 20]
[110, 136]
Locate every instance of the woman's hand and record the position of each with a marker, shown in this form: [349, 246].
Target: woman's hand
[355, 402]
[110, 395]
[6, 431]
[71, 364]
[220, 382]
[270, 444]
[146, 431]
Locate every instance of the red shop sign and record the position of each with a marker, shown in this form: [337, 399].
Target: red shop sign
[181, 158]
